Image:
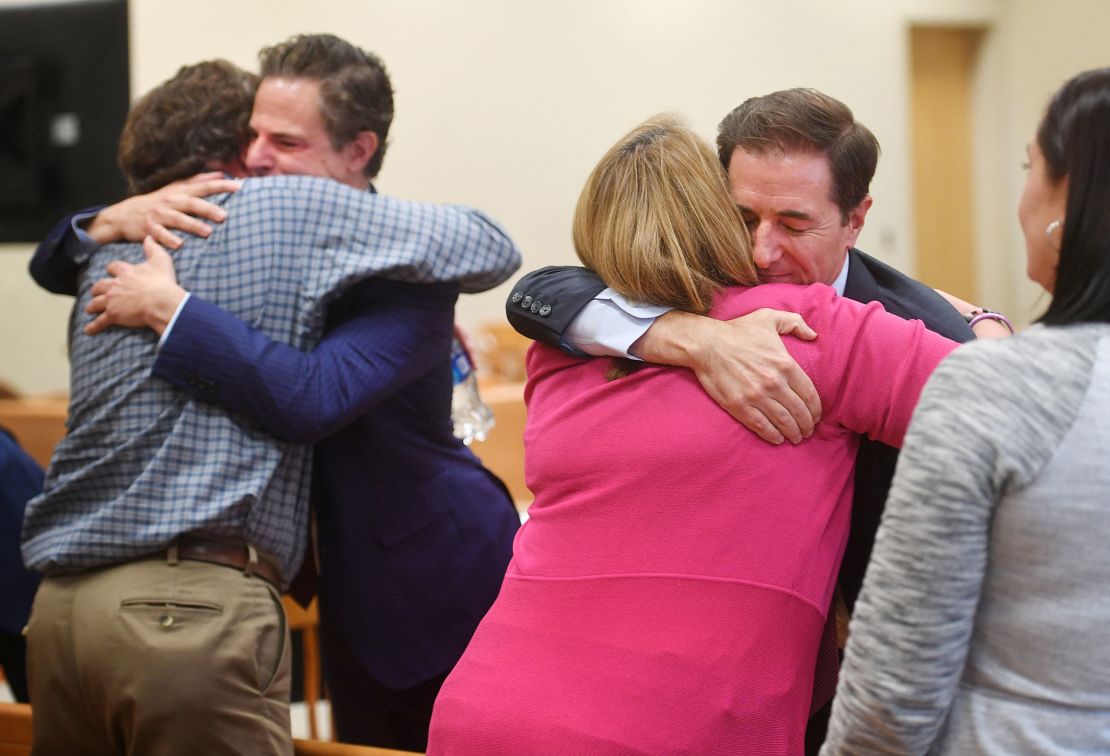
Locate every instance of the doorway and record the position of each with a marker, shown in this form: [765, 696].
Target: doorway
[942, 63]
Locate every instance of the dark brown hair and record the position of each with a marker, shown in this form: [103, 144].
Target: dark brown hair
[805, 120]
[355, 91]
[198, 118]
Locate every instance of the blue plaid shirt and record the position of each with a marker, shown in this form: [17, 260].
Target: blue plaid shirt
[142, 463]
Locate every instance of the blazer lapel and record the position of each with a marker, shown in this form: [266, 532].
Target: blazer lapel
[861, 285]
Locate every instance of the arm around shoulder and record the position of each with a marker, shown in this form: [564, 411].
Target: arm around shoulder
[497, 256]
[543, 303]
[55, 264]
[744, 366]
[305, 397]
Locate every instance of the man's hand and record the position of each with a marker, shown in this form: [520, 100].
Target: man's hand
[175, 206]
[140, 295]
[743, 365]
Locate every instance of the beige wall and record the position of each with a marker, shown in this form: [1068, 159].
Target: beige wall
[505, 105]
[32, 328]
[1033, 48]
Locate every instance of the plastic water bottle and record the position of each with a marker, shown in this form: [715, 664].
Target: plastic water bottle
[472, 418]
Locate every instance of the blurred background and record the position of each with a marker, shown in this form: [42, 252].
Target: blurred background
[505, 105]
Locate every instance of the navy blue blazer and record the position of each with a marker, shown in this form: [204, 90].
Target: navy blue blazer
[566, 290]
[414, 533]
[51, 266]
[20, 481]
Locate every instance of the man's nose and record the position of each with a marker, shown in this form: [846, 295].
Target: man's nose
[260, 158]
[765, 248]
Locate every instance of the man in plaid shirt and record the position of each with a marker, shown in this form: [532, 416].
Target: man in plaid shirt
[142, 639]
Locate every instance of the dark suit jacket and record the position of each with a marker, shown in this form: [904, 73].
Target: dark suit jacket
[566, 290]
[52, 267]
[20, 481]
[414, 533]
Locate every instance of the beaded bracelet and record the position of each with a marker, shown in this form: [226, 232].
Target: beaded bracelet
[979, 314]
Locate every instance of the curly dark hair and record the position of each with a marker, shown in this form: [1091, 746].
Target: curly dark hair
[199, 117]
[355, 91]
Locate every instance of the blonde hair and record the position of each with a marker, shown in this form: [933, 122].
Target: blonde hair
[655, 220]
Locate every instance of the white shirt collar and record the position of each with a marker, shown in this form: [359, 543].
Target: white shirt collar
[842, 279]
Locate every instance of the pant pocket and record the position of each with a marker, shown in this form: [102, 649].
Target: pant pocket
[272, 651]
[170, 614]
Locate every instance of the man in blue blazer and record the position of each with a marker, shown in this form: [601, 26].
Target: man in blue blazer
[413, 533]
[799, 168]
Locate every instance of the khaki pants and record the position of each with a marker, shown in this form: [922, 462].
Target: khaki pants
[148, 658]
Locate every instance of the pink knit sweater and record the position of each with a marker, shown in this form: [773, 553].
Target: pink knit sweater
[668, 593]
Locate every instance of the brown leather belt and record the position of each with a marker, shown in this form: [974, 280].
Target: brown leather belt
[229, 553]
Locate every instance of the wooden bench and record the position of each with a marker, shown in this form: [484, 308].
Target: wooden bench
[306, 622]
[15, 738]
[15, 729]
[37, 422]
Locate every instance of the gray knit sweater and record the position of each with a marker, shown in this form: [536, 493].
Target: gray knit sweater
[983, 626]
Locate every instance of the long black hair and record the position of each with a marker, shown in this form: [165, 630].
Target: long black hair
[1075, 140]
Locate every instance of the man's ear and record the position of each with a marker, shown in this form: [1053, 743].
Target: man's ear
[359, 150]
[856, 216]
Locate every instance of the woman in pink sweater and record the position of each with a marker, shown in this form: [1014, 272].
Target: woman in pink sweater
[668, 593]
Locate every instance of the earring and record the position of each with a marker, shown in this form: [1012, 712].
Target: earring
[1051, 228]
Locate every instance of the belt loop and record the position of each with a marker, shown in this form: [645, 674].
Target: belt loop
[171, 555]
[252, 561]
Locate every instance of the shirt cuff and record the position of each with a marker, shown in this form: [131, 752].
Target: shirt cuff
[169, 326]
[78, 229]
[610, 324]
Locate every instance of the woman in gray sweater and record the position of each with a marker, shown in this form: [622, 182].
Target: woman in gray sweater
[984, 621]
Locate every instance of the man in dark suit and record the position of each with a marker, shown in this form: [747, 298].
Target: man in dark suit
[799, 168]
[414, 534]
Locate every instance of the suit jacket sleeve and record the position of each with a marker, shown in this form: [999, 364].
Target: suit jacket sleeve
[544, 302]
[56, 263]
[396, 333]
